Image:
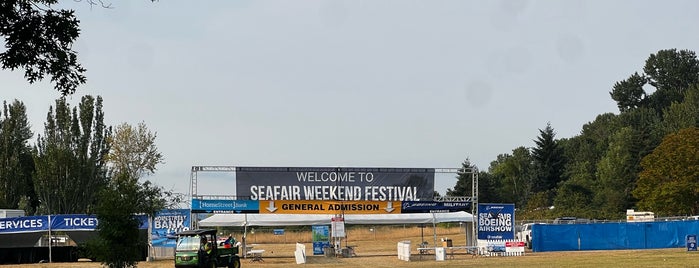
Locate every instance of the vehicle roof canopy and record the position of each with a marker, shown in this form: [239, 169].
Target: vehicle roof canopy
[197, 232]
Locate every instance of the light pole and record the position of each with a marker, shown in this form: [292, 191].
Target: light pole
[50, 238]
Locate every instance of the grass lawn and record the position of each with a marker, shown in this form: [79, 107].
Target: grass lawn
[378, 249]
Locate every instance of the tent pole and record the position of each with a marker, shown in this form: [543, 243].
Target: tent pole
[434, 230]
[245, 234]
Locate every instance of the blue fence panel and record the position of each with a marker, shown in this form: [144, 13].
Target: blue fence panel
[603, 236]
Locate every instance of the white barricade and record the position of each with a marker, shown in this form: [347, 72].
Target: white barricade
[404, 250]
[500, 247]
[300, 253]
[440, 253]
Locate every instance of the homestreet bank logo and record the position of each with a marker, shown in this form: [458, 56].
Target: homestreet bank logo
[223, 204]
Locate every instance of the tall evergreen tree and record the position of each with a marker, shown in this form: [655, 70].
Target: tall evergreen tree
[70, 157]
[16, 163]
[464, 180]
[549, 161]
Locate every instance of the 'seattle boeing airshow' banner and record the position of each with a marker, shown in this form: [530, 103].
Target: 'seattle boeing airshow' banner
[496, 221]
[323, 183]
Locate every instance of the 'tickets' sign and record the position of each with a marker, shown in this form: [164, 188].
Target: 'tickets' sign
[322, 183]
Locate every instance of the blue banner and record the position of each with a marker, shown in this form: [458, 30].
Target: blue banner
[166, 224]
[434, 206]
[319, 247]
[225, 206]
[24, 224]
[74, 222]
[68, 222]
[321, 238]
[496, 221]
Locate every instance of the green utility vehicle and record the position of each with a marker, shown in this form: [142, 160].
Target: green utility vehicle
[192, 250]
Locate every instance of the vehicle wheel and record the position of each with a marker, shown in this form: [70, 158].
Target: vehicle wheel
[235, 263]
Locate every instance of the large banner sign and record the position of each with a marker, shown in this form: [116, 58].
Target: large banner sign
[496, 221]
[328, 207]
[24, 224]
[323, 183]
[434, 206]
[69, 222]
[75, 222]
[166, 224]
[224, 206]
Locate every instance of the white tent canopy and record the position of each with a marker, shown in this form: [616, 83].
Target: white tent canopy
[319, 219]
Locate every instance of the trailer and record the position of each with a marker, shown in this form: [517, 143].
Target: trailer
[11, 213]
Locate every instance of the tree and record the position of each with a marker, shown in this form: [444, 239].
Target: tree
[670, 72]
[488, 189]
[583, 154]
[133, 151]
[682, 114]
[669, 180]
[616, 173]
[464, 185]
[119, 243]
[133, 154]
[16, 160]
[548, 161]
[514, 173]
[39, 40]
[629, 93]
[573, 199]
[70, 157]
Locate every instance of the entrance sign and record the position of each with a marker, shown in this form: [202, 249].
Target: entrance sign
[224, 206]
[434, 206]
[326, 183]
[328, 207]
[496, 221]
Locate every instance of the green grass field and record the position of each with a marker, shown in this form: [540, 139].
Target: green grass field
[378, 249]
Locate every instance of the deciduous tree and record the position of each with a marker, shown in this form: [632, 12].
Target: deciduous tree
[16, 163]
[39, 40]
[70, 157]
[133, 151]
[669, 181]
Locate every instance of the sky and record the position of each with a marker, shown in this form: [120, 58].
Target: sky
[423, 84]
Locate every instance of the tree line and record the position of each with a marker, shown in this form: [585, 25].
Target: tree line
[645, 157]
[79, 165]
